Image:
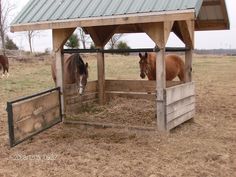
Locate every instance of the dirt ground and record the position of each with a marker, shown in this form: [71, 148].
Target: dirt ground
[205, 147]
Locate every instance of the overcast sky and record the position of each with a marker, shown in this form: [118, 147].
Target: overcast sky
[203, 40]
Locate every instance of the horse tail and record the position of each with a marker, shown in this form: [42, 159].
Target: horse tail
[7, 63]
[53, 68]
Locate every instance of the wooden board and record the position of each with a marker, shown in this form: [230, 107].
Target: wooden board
[179, 92]
[177, 15]
[130, 86]
[71, 89]
[178, 121]
[179, 112]
[35, 114]
[110, 95]
[79, 99]
[109, 125]
[74, 101]
[180, 104]
[35, 106]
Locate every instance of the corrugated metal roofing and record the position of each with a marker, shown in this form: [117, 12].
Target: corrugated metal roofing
[52, 10]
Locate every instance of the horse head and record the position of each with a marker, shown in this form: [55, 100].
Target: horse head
[143, 64]
[81, 72]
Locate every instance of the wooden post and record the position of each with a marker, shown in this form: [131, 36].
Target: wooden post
[101, 36]
[185, 31]
[159, 33]
[60, 77]
[161, 85]
[101, 77]
[188, 66]
[60, 36]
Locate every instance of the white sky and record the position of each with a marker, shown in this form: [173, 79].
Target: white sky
[203, 40]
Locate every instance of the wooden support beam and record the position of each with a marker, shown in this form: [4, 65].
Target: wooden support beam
[106, 21]
[99, 42]
[160, 86]
[60, 36]
[101, 35]
[158, 32]
[206, 25]
[185, 31]
[225, 13]
[188, 66]
[101, 78]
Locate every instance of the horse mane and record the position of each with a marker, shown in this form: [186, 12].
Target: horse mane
[80, 63]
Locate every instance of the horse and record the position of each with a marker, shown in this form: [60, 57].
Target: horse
[174, 66]
[75, 71]
[4, 64]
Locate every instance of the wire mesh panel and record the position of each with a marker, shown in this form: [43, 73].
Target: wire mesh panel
[33, 114]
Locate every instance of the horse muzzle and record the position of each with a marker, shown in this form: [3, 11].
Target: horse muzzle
[81, 90]
[142, 75]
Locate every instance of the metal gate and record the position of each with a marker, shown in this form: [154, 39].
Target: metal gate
[31, 115]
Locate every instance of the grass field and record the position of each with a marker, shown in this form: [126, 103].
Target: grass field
[205, 147]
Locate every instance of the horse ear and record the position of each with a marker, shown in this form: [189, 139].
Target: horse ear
[140, 55]
[146, 54]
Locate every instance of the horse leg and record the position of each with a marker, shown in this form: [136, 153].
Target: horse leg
[7, 72]
[4, 71]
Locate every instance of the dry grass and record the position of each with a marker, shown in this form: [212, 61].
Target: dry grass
[203, 148]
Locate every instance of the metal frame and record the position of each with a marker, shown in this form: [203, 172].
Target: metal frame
[168, 49]
[10, 116]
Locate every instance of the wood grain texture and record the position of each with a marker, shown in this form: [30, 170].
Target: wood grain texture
[179, 92]
[111, 95]
[35, 114]
[178, 121]
[108, 21]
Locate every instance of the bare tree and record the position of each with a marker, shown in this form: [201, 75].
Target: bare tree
[83, 38]
[30, 36]
[5, 10]
[113, 41]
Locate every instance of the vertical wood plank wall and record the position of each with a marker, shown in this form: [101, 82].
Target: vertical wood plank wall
[74, 101]
[180, 104]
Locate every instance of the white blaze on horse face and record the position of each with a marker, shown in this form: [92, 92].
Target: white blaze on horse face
[81, 89]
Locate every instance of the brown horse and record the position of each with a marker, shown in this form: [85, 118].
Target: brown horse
[75, 71]
[4, 64]
[174, 66]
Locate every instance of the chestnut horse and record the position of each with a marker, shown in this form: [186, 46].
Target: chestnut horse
[4, 65]
[174, 66]
[75, 71]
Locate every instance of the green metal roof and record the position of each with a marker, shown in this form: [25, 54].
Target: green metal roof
[53, 10]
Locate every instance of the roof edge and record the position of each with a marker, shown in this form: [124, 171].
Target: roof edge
[108, 20]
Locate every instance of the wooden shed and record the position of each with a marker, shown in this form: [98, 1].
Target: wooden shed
[101, 19]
